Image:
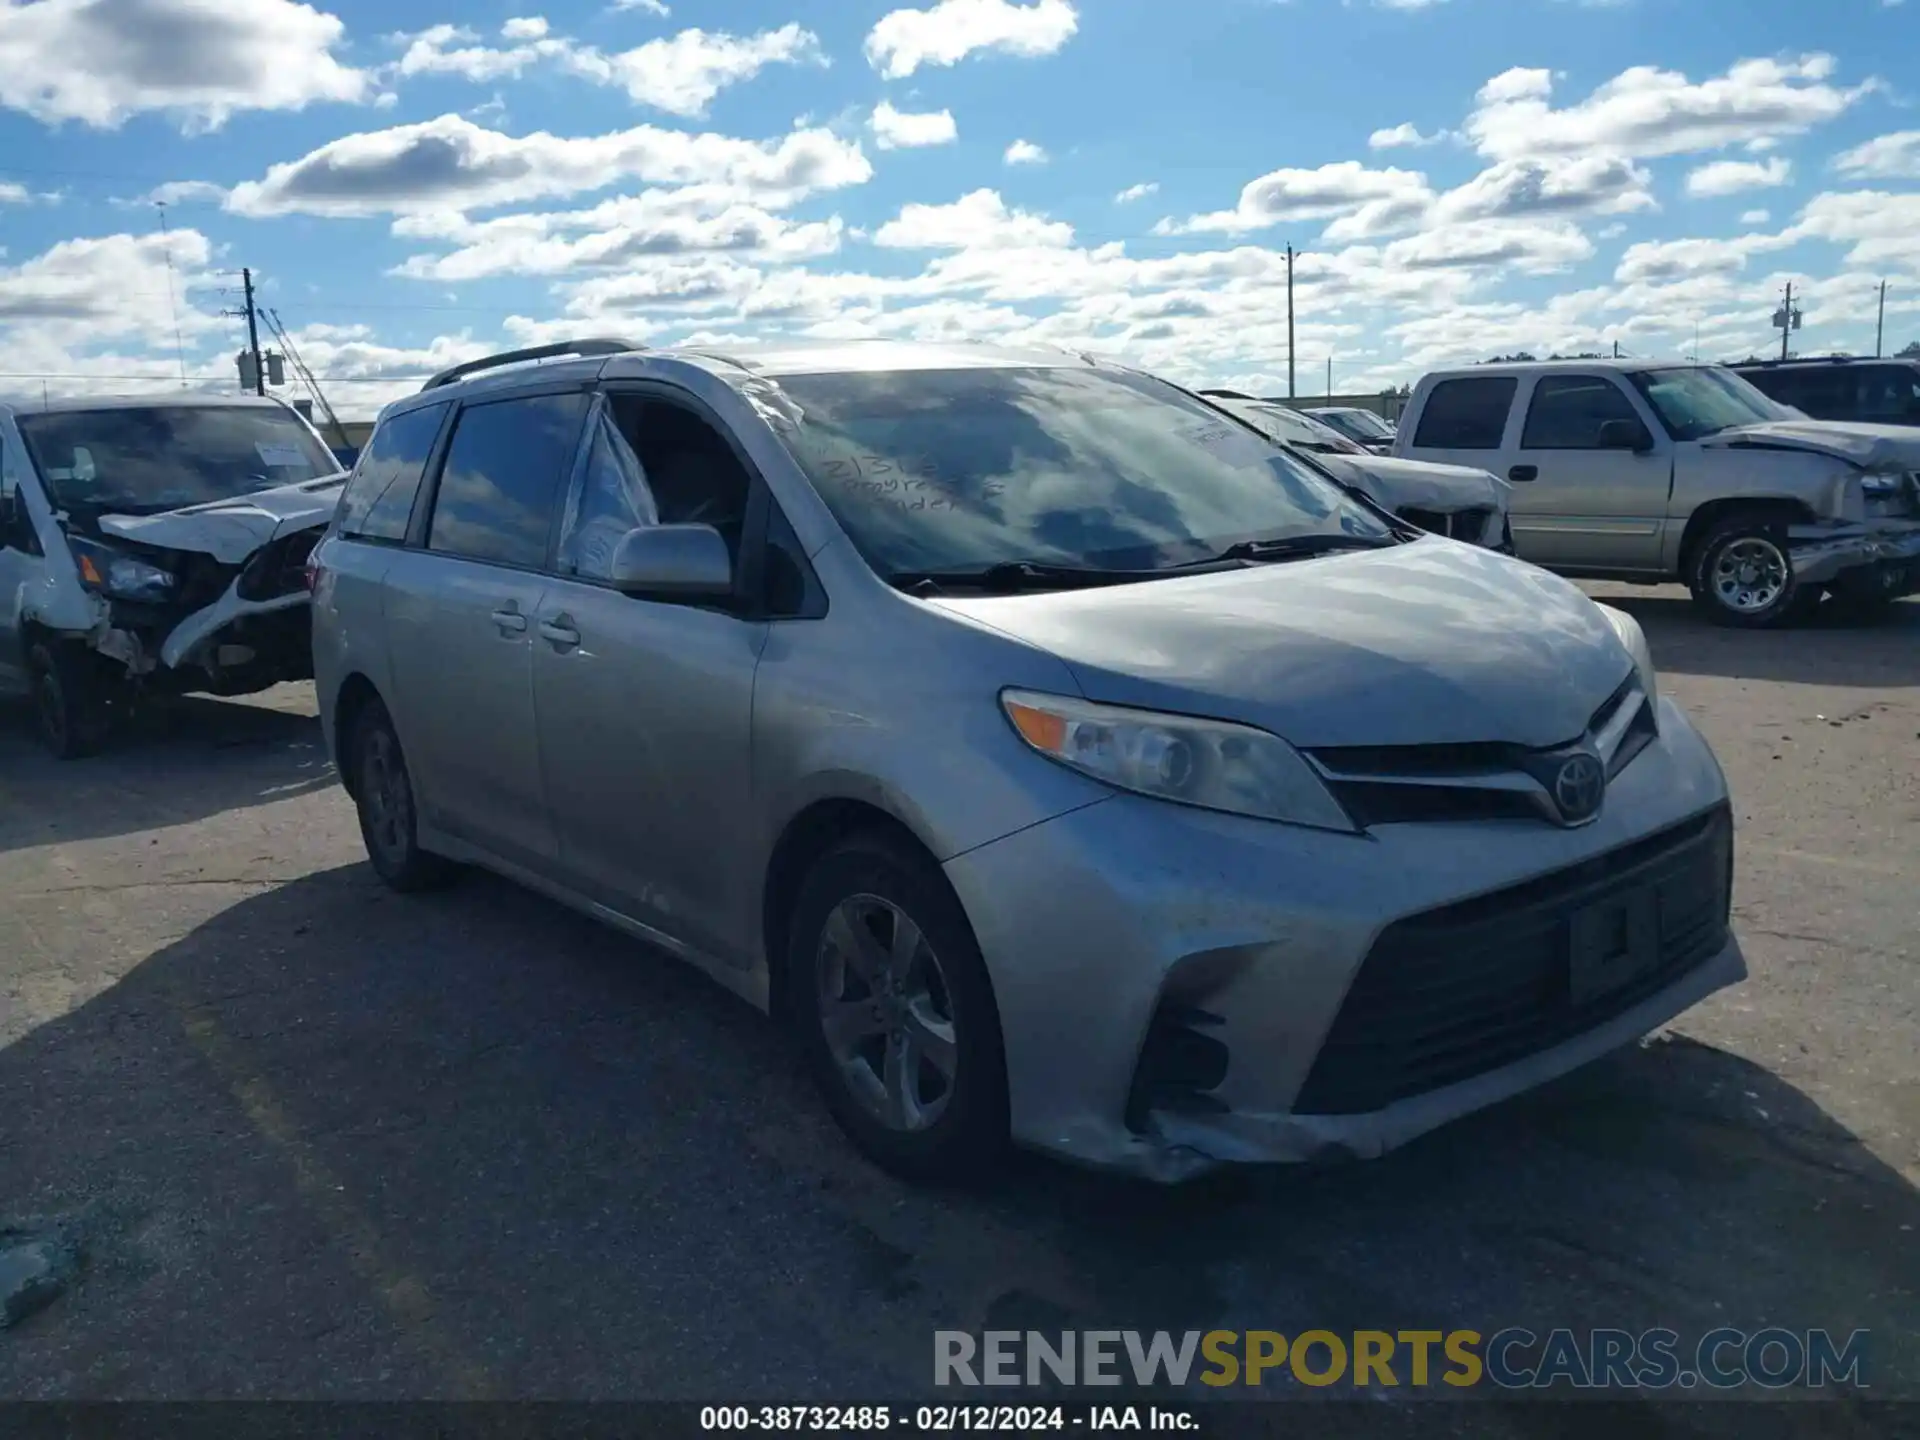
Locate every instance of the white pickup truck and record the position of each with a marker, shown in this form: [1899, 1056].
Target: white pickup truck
[1635, 470]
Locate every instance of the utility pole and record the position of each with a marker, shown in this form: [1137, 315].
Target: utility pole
[253, 336]
[1616, 349]
[1329, 377]
[1289, 322]
[1787, 319]
[1880, 325]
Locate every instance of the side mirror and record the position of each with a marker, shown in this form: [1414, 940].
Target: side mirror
[672, 562]
[1625, 435]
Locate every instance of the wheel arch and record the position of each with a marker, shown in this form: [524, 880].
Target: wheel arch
[356, 692]
[1706, 517]
[812, 831]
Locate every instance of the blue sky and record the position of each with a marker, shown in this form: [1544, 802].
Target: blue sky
[415, 182]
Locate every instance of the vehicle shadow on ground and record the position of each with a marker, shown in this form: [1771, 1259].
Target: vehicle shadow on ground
[180, 759]
[340, 1143]
[1825, 650]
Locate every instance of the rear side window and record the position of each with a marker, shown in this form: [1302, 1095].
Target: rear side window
[379, 500]
[1567, 411]
[1466, 414]
[506, 466]
[1889, 394]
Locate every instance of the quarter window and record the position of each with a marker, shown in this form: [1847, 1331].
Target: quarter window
[1466, 414]
[505, 467]
[1567, 411]
[378, 503]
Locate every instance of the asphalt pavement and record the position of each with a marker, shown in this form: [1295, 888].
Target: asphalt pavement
[309, 1139]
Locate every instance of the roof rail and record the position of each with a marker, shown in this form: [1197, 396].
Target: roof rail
[583, 348]
[1227, 394]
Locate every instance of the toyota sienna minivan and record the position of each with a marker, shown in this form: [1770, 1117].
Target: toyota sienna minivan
[1062, 761]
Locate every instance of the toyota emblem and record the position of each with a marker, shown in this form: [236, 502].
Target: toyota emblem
[1578, 788]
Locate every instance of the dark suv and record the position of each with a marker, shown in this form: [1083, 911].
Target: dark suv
[1867, 392]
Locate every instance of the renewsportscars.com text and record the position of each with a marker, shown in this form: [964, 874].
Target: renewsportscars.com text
[1513, 1358]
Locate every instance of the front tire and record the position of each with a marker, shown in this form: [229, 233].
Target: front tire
[73, 700]
[1743, 575]
[383, 795]
[895, 1012]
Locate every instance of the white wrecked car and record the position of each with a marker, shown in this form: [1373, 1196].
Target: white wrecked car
[154, 544]
[1453, 500]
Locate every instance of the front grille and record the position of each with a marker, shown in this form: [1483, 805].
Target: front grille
[1467, 525]
[1481, 780]
[1467, 988]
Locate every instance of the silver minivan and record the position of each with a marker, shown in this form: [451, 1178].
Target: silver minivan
[1063, 761]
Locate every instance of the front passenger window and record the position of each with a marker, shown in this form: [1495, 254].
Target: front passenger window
[1567, 412]
[614, 499]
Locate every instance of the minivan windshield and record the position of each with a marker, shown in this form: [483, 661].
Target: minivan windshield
[959, 471]
[138, 460]
[1698, 400]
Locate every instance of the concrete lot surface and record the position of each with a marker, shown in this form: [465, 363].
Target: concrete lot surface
[315, 1140]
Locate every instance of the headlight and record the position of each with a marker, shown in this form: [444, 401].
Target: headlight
[1635, 639]
[112, 573]
[1208, 763]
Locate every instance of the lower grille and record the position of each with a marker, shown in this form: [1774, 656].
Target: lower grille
[1465, 989]
[1467, 525]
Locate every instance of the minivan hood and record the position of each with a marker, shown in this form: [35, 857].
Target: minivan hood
[231, 530]
[1871, 447]
[1421, 484]
[1425, 643]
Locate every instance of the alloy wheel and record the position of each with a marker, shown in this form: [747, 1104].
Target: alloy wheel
[886, 1012]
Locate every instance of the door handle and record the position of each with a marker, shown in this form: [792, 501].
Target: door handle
[511, 622]
[560, 631]
[1523, 473]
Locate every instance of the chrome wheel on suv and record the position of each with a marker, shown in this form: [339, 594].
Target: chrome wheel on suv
[1742, 575]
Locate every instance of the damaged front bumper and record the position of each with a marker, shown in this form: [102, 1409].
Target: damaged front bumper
[1181, 990]
[1879, 560]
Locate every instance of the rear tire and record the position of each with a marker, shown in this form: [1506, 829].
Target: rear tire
[384, 797]
[894, 1010]
[73, 699]
[1742, 575]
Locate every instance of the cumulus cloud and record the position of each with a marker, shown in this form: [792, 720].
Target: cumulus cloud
[1730, 177]
[1283, 195]
[1662, 260]
[905, 40]
[978, 221]
[1755, 217]
[1403, 136]
[1533, 248]
[1137, 192]
[450, 163]
[1556, 185]
[100, 62]
[680, 74]
[1025, 152]
[627, 231]
[1646, 111]
[1886, 157]
[903, 129]
[112, 287]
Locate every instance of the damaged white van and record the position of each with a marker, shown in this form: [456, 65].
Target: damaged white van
[154, 544]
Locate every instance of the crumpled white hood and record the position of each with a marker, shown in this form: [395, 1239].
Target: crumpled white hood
[1872, 447]
[1421, 484]
[231, 530]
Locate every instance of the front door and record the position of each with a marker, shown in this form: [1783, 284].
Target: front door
[646, 706]
[460, 623]
[1583, 498]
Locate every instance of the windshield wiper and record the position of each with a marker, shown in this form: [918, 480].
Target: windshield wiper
[1013, 575]
[1291, 547]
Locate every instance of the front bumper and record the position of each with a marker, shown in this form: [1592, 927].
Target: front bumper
[1097, 925]
[1883, 559]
